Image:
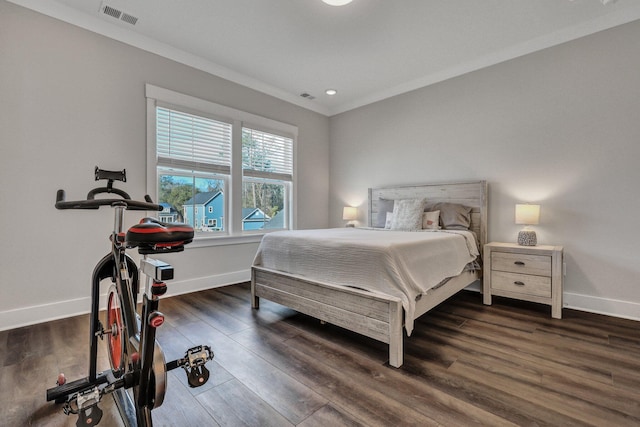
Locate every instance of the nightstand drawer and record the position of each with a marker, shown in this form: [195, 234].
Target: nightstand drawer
[540, 265]
[521, 283]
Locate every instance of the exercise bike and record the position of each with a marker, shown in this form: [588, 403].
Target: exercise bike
[137, 378]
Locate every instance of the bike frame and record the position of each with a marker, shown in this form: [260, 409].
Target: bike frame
[125, 275]
[114, 266]
[136, 333]
[122, 270]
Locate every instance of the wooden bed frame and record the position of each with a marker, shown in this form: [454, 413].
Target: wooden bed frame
[376, 316]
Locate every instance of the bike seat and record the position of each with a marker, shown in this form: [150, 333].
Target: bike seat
[151, 236]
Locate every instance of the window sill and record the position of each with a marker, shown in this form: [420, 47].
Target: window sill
[206, 241]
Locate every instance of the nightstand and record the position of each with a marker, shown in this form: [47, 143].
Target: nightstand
[529, 273]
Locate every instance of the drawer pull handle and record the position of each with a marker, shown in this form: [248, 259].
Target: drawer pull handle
[518, 283]
[519, 263]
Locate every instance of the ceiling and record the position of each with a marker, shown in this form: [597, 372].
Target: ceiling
[367, 50]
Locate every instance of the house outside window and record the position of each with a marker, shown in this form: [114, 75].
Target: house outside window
[201, 153]
[169, 213]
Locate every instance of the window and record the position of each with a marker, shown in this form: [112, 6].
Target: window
[267, 166]
[208, 162]
[193, 163]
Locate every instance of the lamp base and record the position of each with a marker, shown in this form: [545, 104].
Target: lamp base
[527, 238]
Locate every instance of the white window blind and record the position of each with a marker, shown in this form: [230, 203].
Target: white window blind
[192, 142]
[265, 155]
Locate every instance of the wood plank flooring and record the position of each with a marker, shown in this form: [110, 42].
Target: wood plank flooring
[465, 364]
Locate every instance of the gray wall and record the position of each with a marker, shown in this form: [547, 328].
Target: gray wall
[71, 100]
[560, 127]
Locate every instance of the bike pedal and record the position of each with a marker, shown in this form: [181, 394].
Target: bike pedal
[198, 376]
[198, 355]
[90, 416]
[194, 360]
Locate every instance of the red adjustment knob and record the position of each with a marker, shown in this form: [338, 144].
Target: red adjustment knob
[158, 288]
[156, 319]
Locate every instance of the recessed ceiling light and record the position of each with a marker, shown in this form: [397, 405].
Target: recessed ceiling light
[337, 2]
[331, 92]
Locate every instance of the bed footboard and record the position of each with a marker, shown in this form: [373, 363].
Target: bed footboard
[374, 315]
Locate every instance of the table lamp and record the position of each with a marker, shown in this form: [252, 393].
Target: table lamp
[350, 213]
[527, 215]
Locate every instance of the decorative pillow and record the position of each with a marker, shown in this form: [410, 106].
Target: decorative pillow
[387, 223]
[431, 220]
[453, 216]
[407, 214]
[384, 206]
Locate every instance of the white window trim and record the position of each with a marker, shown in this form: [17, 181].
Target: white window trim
[234, 234]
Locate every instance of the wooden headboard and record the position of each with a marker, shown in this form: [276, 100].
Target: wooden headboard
[472, 194]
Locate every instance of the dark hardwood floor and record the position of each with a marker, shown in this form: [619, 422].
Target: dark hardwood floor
[465, 364]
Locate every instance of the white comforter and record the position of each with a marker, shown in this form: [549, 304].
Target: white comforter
[398, 263]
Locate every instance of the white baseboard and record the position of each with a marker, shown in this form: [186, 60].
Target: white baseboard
[607, 306]
[207, 282]
[597, 305]
[26, 316]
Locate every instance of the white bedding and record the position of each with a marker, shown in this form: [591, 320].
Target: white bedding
[398, 263]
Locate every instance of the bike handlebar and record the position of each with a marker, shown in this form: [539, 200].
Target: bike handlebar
[91, 203]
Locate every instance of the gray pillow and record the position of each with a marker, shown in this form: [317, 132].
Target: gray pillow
[384, 206]
[407, 214]
[453, 216]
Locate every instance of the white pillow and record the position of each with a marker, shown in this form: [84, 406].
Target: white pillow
[431, 220]
[387, 222]
[407, 214]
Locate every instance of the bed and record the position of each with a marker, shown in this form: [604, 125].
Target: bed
[378, 313]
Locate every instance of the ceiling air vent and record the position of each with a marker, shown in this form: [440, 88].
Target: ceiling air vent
[111, 11]
[118, 14]
[307, 96]
[129, 18]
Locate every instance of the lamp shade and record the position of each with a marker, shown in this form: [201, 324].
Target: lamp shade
[527, 214]
[337, 2]
[349, 213]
